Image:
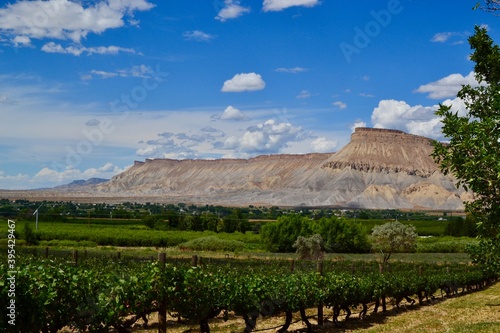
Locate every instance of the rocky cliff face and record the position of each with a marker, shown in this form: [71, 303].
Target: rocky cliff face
[378, 169]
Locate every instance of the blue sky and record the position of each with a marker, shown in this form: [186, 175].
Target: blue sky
[87, 87]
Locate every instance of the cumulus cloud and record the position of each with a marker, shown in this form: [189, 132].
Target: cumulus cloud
[265, 138]
[357, 123]
[52, 47]
[198, 36]
[322, 145]
[244, 82]
[341, 105]
[278, 5]
[231, 10]
[230, 113]
[447, 86]
[418, 119]
[293, 70]
[23, 41]
[66, 20]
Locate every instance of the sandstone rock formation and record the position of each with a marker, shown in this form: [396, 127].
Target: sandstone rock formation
[378, 169]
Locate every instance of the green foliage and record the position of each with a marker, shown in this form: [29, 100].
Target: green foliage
[338, 235]
[103, 295]
[213, 243]
[309, 247]
[394, 237]
[460, 227]
[474, 138]
[446, 244]
[29, 235]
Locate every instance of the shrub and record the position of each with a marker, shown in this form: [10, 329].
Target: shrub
[309, 247]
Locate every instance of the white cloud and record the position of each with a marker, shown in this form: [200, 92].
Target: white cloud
[418, 119]
[231, 10]
[357, 123]
[322, 145]
[47, 175]
[244, 82]
[66, 20]
[180, 145]
[52, 47]
[141, 71]
[230, 113]
[366, 95]
[443, 37]
[341, 105]
[292, 70]
[21, 41]
[448, 86]
[303, 94]
[278, 5]
[265, 138]
[198, 36]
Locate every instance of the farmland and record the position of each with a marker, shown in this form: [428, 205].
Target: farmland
[106, 268]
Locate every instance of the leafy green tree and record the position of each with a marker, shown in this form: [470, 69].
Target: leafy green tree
[394, 237]
[472, 154]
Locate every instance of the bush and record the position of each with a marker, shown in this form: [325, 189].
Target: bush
[30, 236]
[309, 247]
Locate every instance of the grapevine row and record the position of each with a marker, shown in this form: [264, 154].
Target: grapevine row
[99, 296]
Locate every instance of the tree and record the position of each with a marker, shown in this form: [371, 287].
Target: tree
[473, 151]
[472, 154]
[310, 248]
[394, 237]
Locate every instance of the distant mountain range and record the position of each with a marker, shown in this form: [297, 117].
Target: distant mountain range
[82, 182]
[378, 169]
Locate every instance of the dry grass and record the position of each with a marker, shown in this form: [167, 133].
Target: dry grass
[466, 313]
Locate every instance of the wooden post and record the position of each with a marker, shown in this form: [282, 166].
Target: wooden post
[353, 268]
[162, 308]
[119, 255]
[320, 305]
[75, 257]
[46, 252]
[194, 261]
[381, 271]
[292, 265]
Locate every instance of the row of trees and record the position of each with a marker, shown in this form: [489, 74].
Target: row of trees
[337, 234]
[231, 223]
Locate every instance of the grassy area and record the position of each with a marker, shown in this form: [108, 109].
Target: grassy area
[472, 313]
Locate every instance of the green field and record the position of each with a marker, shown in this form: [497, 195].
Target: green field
[88, 233]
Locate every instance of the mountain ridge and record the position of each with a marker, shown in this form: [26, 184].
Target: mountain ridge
[377, 169]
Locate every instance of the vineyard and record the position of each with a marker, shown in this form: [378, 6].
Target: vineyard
[99, 295]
